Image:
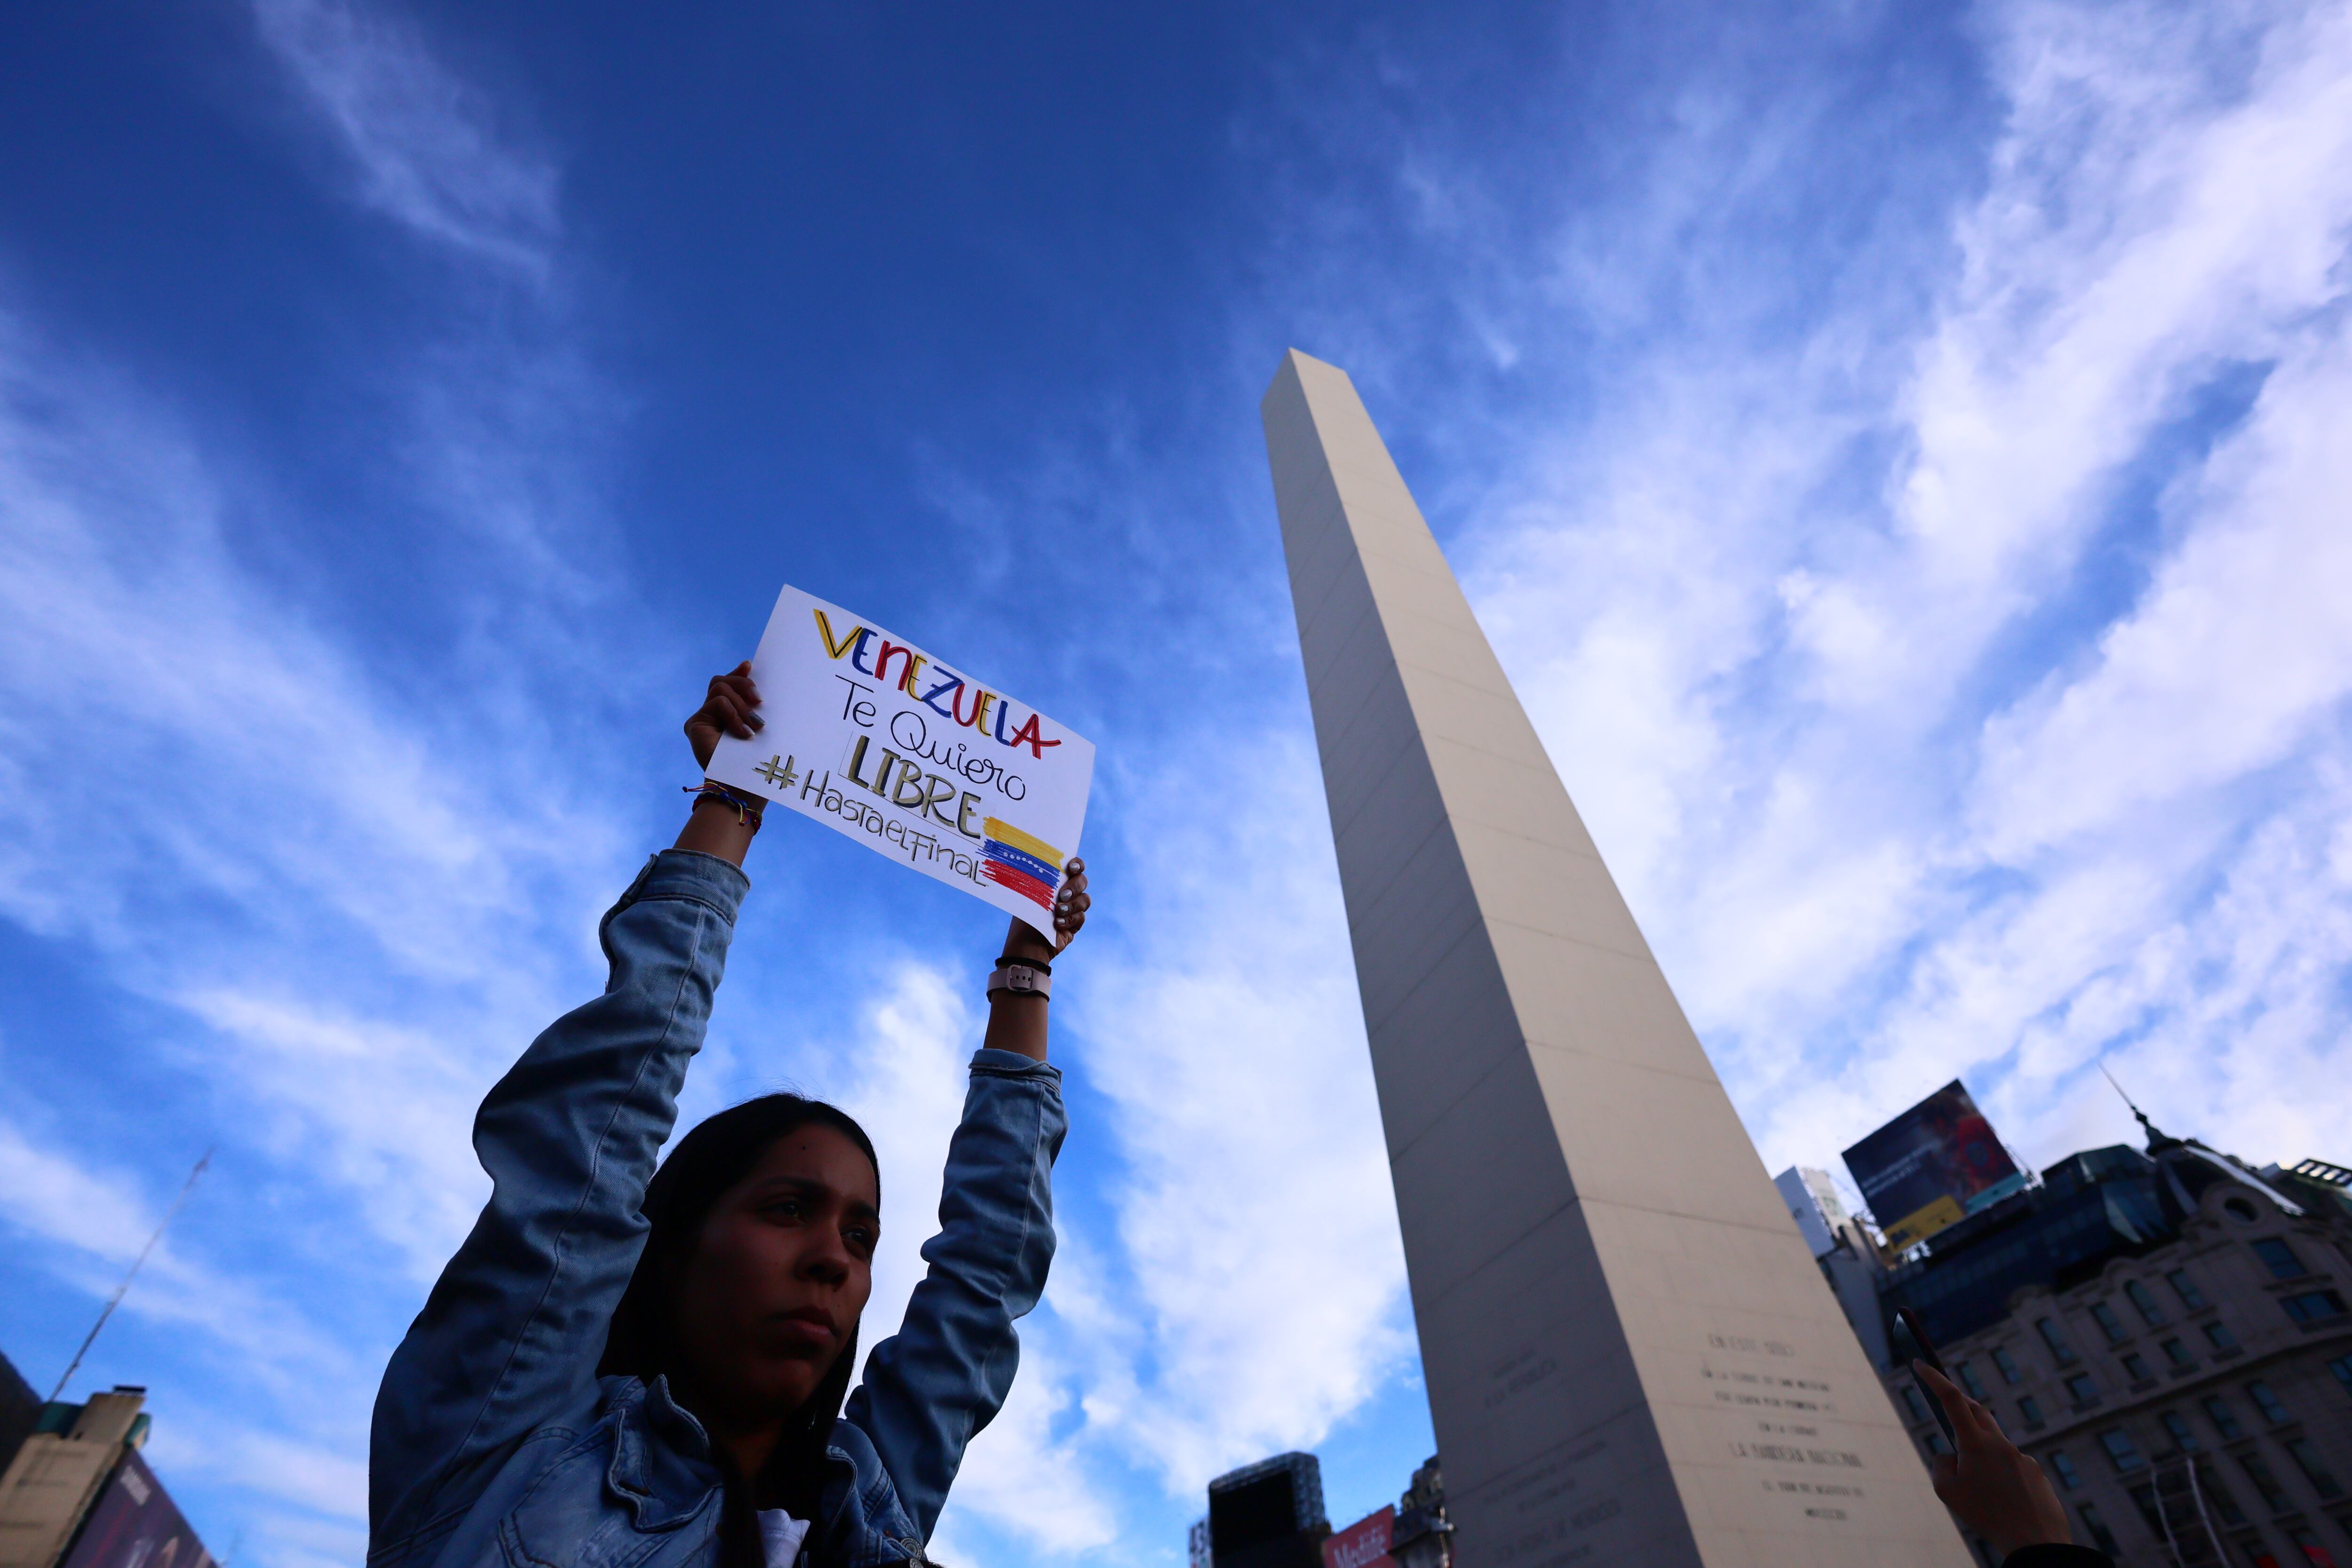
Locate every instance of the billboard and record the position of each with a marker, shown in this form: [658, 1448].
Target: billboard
[135, 1524]
[1932, 1167]
[1363, 1544]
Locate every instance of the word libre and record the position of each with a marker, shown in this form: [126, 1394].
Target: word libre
[887, 744]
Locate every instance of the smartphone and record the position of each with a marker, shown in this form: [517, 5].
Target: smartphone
[1911, 1343]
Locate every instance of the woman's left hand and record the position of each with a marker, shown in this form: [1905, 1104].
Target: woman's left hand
[1070, 906]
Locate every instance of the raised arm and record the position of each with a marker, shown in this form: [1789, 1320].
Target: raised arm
[509, 1339]
[944, 1375]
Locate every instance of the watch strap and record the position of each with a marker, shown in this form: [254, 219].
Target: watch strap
[1022, 979]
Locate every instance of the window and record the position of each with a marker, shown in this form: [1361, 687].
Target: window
[1936, 1444]
[2121, 1448]
[1915, 1404]
[2048, 1330]
[2143, 1300]
[2101, 1536]
[2063, 1469]
[2186, 1288]
[2268, 1402]
[2031, 1408]
[2217, 1412]
[2218, 1334]
[1970, 1380]
[2109, 1324]
[2216, 1496]
[2259, 1554]
[2136, 1367]
[2007, 1365]
[2342, 1368]
[2314, 1555]
[2312, 1306]
[2182, 1438]
[2082, 1390]
[2306, 1459]
[2273, 1495]
[2279, 1259]
[2175, 1352]
[2144, 1497]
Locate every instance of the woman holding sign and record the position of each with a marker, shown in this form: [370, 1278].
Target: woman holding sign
[625, 1365]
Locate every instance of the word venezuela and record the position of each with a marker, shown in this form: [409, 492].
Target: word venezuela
[879, 740]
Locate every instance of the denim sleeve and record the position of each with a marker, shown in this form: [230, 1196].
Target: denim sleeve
[509, 1338]
[945, 1373]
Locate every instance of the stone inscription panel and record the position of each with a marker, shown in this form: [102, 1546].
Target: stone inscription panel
[1781, 1430]
[1603, 1497]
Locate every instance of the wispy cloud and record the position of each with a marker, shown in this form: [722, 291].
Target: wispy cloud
[1245, 1111]
[1922, 740]
[428, 148]
[324, 901]
[341, 925]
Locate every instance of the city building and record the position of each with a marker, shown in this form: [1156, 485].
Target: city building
[1269, 1515]
[2165, 1332]
[1411, 1532]
[76, 1493]
[1424, 1537]
[20, 1411]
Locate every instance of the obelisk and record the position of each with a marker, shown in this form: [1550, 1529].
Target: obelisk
[1629, 1354]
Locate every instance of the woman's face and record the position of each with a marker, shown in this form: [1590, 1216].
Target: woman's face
[783, 1266]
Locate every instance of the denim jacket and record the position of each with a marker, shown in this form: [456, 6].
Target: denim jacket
[496, 1443]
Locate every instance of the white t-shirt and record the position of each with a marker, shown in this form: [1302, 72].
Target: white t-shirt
[782, 1535]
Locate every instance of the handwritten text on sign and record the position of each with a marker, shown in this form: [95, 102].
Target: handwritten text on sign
[884, 742]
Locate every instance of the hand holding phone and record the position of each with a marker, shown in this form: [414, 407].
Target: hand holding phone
[1992, 1487]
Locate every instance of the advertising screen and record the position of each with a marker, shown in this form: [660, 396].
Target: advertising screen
[1931, 1167]
[135, 1524]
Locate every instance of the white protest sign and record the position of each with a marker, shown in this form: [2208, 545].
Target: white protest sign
[878, 740]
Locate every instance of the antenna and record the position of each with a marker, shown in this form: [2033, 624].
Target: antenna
[2156, 1137]
[116, 1299]
[2104, 1073]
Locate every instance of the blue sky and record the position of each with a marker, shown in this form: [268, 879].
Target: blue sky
[1896, 451]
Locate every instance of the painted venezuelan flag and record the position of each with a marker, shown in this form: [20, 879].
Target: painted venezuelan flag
[1011, 859]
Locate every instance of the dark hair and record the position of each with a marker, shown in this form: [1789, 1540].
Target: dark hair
[643, 1340]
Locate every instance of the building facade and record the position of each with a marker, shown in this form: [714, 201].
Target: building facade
[76, 1493]
[1411, 1532]
[1424, 1536]
[2166, 1334]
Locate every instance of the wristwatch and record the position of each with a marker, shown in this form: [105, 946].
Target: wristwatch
[1021, 979]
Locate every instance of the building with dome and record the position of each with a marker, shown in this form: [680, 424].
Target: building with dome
[2165, 1330]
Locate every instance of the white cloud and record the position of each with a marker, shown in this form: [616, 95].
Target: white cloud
[1263, 1280]
[1873, 853]
[429, 148]
[1021, 1480]
[2235, 654]
[329, 1485]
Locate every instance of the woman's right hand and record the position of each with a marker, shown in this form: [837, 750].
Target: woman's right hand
[1992, 1486]
[727, 710]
